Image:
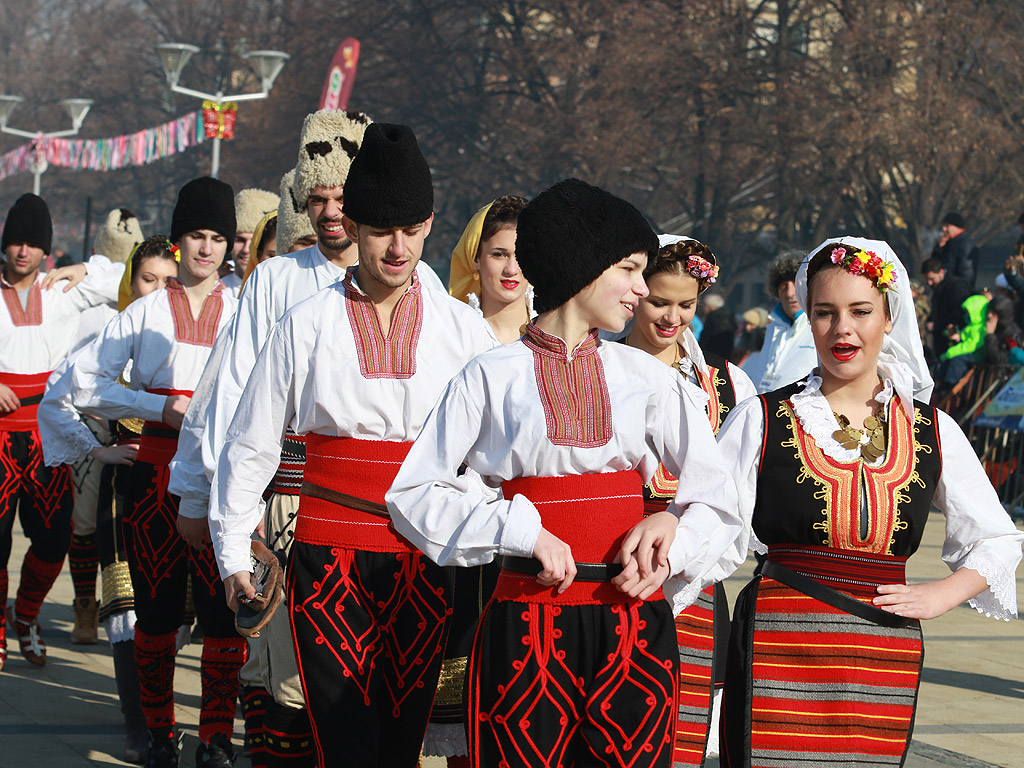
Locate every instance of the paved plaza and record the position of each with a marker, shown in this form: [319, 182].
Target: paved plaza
[970, 713]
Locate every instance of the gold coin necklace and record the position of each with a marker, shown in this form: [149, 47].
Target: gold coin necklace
[870, 440]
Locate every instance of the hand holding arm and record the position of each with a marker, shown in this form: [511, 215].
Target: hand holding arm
[74, 274]
[115, 454]
[174, 410]
[644, 555]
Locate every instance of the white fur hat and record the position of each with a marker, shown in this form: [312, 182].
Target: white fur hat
[330, 140]
[120, 233]
[251, 205]
[292, 222]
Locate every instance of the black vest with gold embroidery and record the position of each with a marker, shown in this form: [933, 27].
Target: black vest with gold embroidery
[805, 497]
[717, 385]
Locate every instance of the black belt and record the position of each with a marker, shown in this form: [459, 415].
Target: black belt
[530, 566]
[31, 399]
[836, 599]
[170, 434]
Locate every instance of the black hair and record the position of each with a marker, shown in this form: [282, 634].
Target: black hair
[157, 246]
[782, 269]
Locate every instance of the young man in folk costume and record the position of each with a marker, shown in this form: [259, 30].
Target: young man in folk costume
[836, 475]
[168, 336]
[277, 725]
[37, 327]
[575, 661]
[356, 369]
[250, 206]
[683, 269]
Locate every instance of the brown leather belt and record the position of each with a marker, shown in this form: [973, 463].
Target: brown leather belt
[344, 500]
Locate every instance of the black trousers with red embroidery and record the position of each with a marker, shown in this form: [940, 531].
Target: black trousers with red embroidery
[573, 685]
[43, 500]
[160, 563]
[370, 631]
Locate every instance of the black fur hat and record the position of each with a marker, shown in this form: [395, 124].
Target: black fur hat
[204, 203]
[28, 221]
[389, 183]
[571, 233]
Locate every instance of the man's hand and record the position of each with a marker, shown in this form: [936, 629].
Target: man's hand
[74, 275]
[644, 555]
[9, 402]
[236, 583]
[174, 410]
[195, 531]
[556, 561]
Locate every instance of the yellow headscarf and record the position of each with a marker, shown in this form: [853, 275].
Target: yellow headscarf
[124, 290]
[464, 278]
[254, 245]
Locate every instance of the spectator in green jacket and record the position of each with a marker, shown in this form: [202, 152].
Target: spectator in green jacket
[967, 344]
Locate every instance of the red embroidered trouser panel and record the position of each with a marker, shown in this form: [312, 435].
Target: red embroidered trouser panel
[161, 564]
[370, 631]
[554, 685]
[42, 498]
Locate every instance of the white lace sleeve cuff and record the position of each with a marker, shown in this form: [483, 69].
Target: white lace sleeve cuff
[74, 447]
[755, 544]
[999, 601]
[681, 594]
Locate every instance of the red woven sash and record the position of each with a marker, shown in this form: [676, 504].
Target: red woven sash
[851, 572]
[590, 513]
[361, 468]
[27, 386]
[159, 441]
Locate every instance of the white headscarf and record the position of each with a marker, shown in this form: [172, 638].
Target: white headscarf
[902, 357]
[688, 340]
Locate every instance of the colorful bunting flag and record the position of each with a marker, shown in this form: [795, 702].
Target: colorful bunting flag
[140, 148]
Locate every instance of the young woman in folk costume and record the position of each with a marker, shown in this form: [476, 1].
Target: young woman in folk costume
[485, 272]
[837, 474]
[682, 270]
[486, 275]
[168, 336]
[107, 455]
[575, 659]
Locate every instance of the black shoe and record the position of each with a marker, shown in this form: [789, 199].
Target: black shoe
[163, 753]
[217, 754]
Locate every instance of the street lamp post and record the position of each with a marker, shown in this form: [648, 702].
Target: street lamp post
[77, 109]
[266, 64]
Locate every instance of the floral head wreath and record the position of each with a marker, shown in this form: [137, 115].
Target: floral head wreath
[701, 268]
[174, 250]
[867, 263]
